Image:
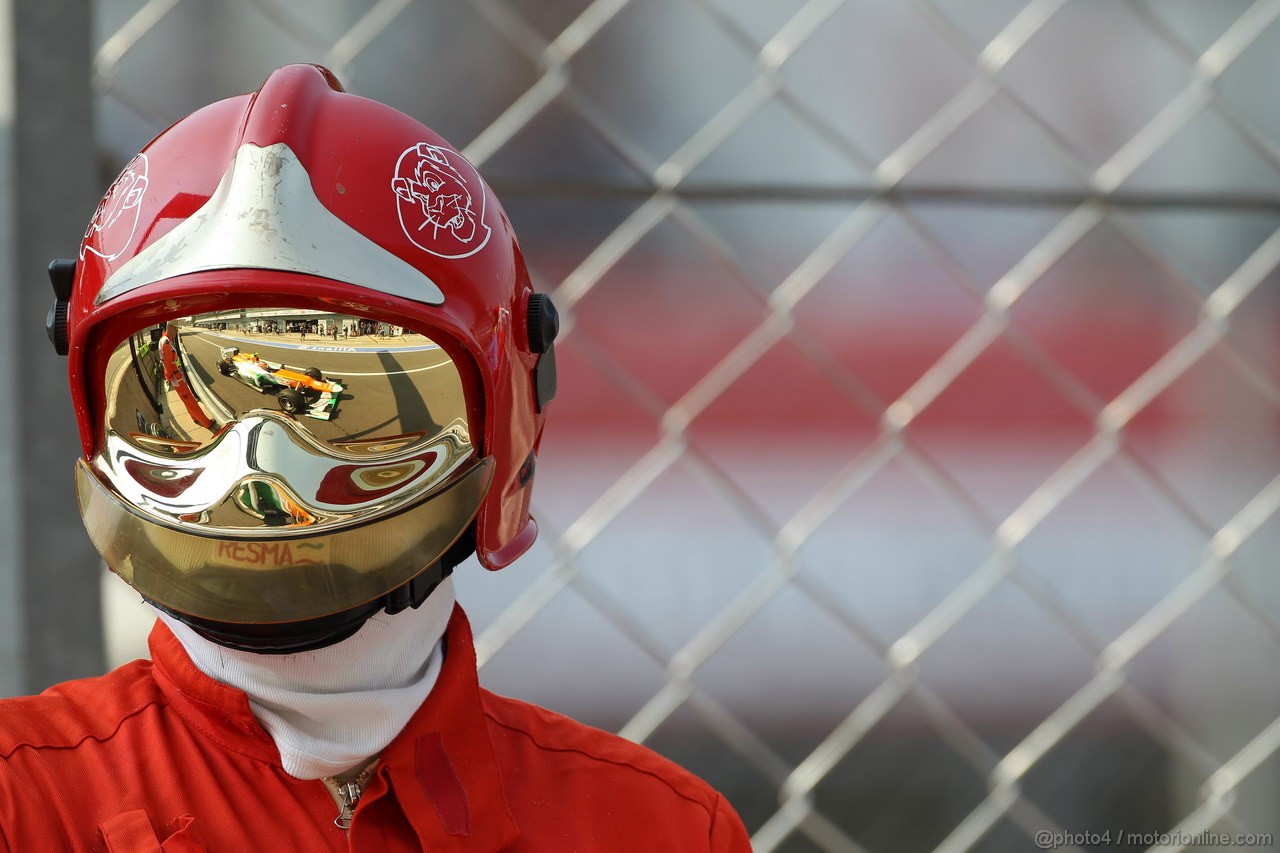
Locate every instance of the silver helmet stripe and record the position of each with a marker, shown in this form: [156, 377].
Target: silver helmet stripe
[265, 215]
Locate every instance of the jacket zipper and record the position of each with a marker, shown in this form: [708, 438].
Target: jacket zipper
[348, 793]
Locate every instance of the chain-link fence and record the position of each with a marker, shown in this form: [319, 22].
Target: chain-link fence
[914, 473]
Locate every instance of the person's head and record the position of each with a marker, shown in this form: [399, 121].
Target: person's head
[276, 502]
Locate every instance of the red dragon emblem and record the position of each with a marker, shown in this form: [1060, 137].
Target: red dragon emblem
[440, 201]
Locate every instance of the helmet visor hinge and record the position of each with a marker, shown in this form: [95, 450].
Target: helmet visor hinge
[542, 322]
[62, 274]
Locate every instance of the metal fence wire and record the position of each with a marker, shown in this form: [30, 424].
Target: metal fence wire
[1018, 259]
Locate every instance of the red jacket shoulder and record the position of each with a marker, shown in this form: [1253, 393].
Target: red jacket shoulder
[600, 751]
[74, 711]
[566, 781]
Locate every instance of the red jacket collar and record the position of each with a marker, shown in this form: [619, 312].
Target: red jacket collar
[441, 769]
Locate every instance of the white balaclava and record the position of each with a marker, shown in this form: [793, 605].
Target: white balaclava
[331, 709]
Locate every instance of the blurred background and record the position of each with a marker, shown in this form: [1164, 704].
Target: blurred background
[914, 472]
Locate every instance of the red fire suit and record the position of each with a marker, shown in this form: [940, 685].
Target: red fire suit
[156, 756]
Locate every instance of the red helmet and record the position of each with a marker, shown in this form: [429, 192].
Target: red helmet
[300, 197]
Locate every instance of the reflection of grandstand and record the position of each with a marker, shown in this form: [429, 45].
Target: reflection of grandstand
[397, 340]
[281, 321]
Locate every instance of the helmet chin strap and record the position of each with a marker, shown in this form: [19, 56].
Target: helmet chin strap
[309, 634]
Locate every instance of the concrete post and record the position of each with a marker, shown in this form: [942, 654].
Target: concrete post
[50, 622]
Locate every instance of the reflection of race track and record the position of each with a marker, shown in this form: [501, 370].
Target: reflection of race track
[387, 391]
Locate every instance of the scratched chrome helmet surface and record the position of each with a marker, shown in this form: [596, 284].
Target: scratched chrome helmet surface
[307, 364]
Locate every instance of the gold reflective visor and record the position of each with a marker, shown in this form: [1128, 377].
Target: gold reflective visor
[281, 579]
[278, 464]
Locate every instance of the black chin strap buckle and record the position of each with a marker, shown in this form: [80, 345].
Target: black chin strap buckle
[417, 590]
[420, 587]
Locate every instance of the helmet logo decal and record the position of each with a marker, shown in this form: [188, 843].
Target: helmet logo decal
[440, 201]
[116, 218]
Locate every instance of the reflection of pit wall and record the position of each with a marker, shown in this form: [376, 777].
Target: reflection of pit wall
[177, 421]
[212, 402]
[149, 397]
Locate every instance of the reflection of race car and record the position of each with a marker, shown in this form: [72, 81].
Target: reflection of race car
[305, 392]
